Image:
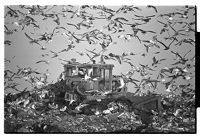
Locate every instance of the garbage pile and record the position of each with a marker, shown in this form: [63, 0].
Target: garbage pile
[40, 117]
[37, 111]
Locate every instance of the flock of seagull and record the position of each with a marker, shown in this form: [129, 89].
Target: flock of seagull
[25, 17]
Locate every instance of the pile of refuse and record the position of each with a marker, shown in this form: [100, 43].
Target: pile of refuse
[39, 117]
[37, 112]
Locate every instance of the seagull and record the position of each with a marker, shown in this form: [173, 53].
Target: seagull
[7, 42]
[181, 60]
[64, 108]
[188, 29]
[95, 54]
[102, 59]
[12, 13]
[146, 67]
[55, 54]
[48, 36]
[166, 47]
[127, 37]
[145, 31]
[156, 61]
[104, 45]
[86, 77]
[52, 106]
[72, 35]
[145, 19]
[43, 55]
[132, 80]
[177, 33]
[168, 88]
[187, 24]
[6, 73]
[135, 31]
[163, 30]
[189, 40]
[80, 53]
[121, 83]
[147, 47]
[148, 80]
[68, 61]
[80, 106]
[29, 71]
[57, 20]
[91, 59]
[150, 6]
[116, 56]
[9, 60]
[90, 71]
[77, 26]
[8, 31]
[12, 86]
[65, 50]
[26, 21]
[151, 43]
[166, 69]
[11, 77]
[120, 18]
[71, 101]
[32, 40]
[131, 64]
[45, 61]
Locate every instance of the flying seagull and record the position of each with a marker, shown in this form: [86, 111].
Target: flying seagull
[32, 40]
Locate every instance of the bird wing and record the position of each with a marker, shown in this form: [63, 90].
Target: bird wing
[132, 79]
[55, 30]
[129, 63]
[65, 50]
[118, 58]
[90, 71]
[154, 59]
[138, 16]
[150, 16]
[155, 9]
[11, 10]
[91, 51]
[122, 82]
[187, 53]
[151, 31]
[41, 61]
[172, 28]
[147, 48]
[53, 52]
[177, 54]
[88, 56]
[162, 43]
[150, 6]
[161, 22]
[64, 60]
[162, 59]
[28, 36]
[74, 26]
[6, 27]
[145, 41]
[121, 18]
[138, 38]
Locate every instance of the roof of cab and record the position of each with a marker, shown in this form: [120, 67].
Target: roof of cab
[89, 65]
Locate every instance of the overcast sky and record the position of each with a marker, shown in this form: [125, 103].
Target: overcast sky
[26, 54]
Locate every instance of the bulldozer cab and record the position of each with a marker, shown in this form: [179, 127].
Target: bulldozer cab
[89, 76]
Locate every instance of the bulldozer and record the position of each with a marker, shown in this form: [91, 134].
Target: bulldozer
[95, 82]
[93, 86]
